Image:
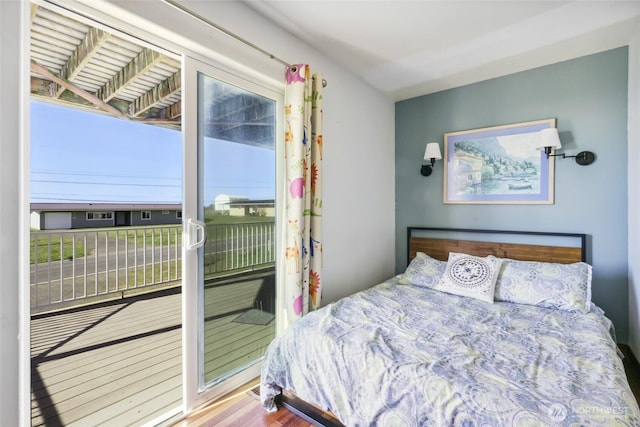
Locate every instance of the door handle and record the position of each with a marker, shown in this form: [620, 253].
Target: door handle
[193, 226]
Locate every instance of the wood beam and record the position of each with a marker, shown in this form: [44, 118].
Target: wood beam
[174, 111]
[40, 89]
[145, 60]
[158, 121]
[92, 42]
[73, 101]
[157, 94]
[44, 89]
[44, 71]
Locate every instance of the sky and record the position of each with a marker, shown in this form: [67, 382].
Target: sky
[79, 156]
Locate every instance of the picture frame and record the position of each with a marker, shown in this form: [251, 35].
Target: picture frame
[498, 165]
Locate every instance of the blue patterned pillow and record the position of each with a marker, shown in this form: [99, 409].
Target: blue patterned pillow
[423, 271]
[470, 276]
[553, 285]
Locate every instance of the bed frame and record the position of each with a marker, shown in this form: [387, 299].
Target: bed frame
[434, 242]
[503, 246]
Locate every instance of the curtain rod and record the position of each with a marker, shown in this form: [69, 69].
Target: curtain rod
[229, 33]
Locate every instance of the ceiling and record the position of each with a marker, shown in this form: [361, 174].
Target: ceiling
[410, 48]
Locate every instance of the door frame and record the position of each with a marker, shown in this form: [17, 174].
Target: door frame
[134, 23]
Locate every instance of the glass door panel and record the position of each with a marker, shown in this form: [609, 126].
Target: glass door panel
[230, 203]
[237, 144]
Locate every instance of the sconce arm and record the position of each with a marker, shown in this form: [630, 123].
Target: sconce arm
[583, 158]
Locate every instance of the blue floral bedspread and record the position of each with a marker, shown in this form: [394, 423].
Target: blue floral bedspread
[403, 355]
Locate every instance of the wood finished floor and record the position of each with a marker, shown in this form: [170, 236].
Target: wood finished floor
[242, 408]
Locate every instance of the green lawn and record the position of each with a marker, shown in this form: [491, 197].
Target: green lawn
[61, 248]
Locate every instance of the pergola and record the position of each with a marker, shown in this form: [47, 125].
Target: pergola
[77, 64]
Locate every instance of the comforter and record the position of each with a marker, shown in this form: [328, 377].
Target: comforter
[404, 355]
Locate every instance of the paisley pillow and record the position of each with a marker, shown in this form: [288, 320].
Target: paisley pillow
[470, 276]
[423, 271]
[564, 287]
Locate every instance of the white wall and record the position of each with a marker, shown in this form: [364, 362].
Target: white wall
[634, 194]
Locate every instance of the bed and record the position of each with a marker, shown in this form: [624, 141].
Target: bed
[531, 349]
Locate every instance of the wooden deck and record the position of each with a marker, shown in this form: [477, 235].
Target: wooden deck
[120, 363]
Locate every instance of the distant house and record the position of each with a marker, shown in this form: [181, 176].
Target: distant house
[50, 216]
[222, 202]
[252, 208]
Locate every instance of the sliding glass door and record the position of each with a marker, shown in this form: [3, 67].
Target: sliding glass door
[229, 213]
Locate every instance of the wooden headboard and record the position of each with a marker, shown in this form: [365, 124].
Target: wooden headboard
[418, 240]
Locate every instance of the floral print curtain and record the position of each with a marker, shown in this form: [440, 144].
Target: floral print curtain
[302, 227]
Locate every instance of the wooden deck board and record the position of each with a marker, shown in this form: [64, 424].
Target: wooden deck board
[118, 412]
[114, 378]
[102, 360]
[120, 363]
[105, 378]
[137, 318]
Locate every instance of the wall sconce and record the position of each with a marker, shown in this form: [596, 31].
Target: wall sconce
[431, 153]
[549, 140]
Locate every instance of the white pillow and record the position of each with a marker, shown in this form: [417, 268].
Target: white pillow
[470, 276]
[560, 286]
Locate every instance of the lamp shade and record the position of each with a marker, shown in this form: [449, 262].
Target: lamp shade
[432, 151]
[549, 138]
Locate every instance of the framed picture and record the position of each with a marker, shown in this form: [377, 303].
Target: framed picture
[499, 164]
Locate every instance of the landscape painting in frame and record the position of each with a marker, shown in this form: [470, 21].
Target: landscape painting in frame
[499, 164]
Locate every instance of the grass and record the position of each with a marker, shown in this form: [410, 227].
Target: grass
[156, 236]
[61, 248]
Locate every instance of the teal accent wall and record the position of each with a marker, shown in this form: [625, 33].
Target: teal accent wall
[588, 98]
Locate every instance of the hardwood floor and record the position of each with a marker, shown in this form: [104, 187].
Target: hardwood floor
[242, 408]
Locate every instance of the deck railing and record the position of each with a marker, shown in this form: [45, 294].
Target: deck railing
[238, 247]
[77, 266]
